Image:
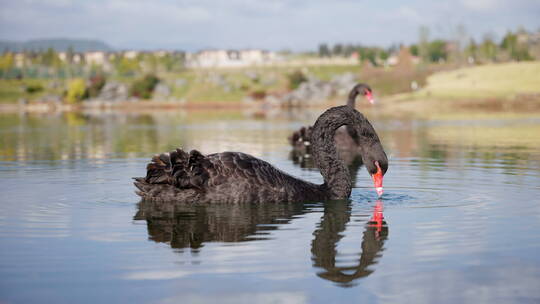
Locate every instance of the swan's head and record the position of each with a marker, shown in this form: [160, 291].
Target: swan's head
[364, 90]
[377, 167]
[369, 95]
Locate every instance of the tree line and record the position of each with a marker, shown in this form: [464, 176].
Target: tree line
[52, 64]
[514, 46]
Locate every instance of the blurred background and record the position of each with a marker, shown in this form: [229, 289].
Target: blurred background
[65, 61]
[273, 54]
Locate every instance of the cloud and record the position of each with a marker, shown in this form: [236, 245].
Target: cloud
[157, 275]
[275, 297]
[480, 5]
[273, 24]
[408, 13]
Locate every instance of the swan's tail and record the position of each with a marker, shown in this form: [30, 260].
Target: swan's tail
[176, 168]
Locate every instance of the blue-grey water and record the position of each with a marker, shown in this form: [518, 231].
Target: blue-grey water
[459, 221]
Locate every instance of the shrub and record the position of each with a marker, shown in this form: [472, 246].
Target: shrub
[258, 94]
[76, 90]
[143, 87]
[96, 83]
[244, 87]
[295, 79]
[34, 88]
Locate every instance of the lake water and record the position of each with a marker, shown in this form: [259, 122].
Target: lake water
[459, 220]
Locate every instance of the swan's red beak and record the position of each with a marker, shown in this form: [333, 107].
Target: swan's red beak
[369, 96]
[377, 180]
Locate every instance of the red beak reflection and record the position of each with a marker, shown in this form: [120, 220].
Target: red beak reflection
[377, 220]
[377, 180]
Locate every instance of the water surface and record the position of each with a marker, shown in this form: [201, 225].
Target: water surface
[459, 220]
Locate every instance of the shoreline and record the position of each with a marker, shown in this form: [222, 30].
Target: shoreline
[393, 105]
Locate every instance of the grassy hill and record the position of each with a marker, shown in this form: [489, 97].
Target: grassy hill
[488, 81]
[495, 87]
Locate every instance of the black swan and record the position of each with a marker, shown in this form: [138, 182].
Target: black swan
[238, 177]
[346, 140]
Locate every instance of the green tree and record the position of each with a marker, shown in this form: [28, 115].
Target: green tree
[324, 51]
[423, 44]
[437, 51]
[369, 54]
[150, 62]
[472, 49]
[338, 49]
[414, 50]
[459, 51]
[348, 50]
[70, 53]
[50, 58]
[517, 51]
[7, 63]
[384, 55]
[126, 66]
[488, 49]
[172, 62]
[509, 41]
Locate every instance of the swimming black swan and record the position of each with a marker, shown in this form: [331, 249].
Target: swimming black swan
[346, 140]
[238, 177]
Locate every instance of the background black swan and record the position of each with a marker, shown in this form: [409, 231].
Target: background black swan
[238, 177]
[346, 139]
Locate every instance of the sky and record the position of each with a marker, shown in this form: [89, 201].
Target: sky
[296, 25]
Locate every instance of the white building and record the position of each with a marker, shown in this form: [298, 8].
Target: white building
[19, 59]
[97, 58]
[229, 58]
[131, 54]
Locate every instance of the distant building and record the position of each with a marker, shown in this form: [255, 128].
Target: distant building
[229, 58]
[63, 56]
[97, 58]
[19, 59]
[162, 53]
[131, 54]
[254, 56]
[214, 58]
[75, 57]
[534, 38]
[392, 60]
[404, 59]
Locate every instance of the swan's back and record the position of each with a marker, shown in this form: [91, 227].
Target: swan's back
[220, 177]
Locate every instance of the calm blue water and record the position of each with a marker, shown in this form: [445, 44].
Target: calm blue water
[459, 221]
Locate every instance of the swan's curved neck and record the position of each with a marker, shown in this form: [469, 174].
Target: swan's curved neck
[336, 175]
[351, 102]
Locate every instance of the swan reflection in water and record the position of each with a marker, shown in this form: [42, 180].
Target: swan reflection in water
[330, 231]
[336, 216]
[190, 226]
